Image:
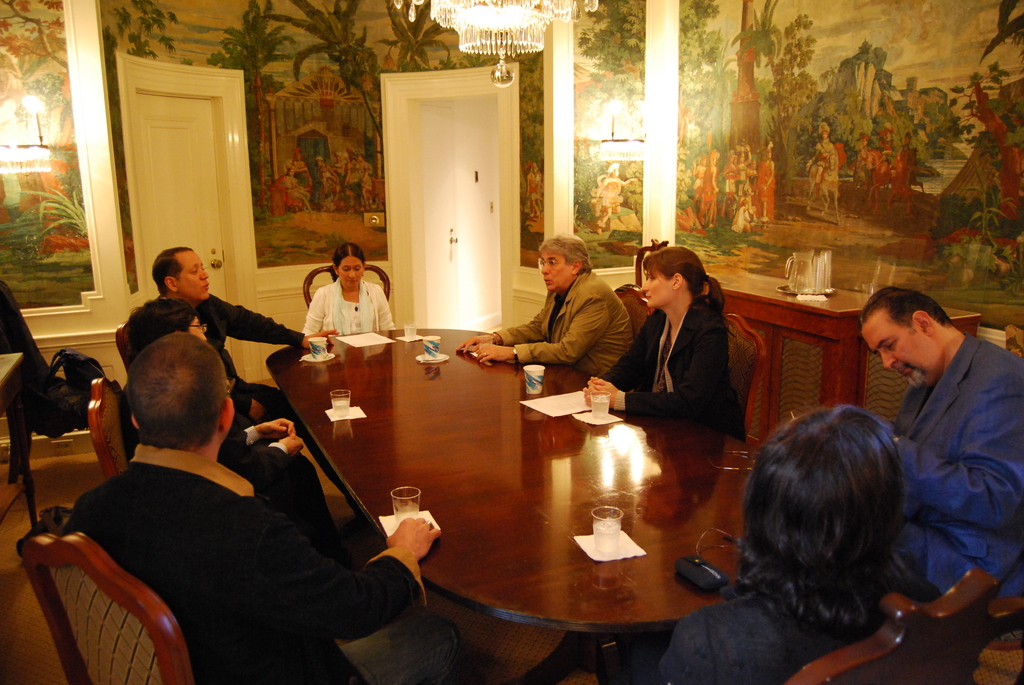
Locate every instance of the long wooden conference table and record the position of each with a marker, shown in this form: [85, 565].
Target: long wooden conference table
[510, 487]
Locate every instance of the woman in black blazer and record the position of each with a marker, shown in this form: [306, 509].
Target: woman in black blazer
[679, 362]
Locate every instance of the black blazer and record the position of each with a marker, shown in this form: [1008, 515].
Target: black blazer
[698, 364]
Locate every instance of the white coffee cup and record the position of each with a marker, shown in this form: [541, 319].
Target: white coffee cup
[432, 346]
[318, 348]
[534, 378]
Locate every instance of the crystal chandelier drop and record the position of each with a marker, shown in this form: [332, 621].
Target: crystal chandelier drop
[24, 159]
[504, 28]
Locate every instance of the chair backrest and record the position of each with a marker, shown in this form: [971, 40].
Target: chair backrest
[636, 305]
[923, 644]
[124, 348]
[108, 626]
[642, 253]
[307, 284]
[748, 359]
[105, 426]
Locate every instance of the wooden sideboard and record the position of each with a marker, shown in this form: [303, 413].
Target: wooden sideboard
[816, 354]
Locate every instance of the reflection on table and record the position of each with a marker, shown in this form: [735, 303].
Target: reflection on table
[510, 487]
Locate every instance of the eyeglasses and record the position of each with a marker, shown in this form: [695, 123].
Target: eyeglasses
[552, 262]
[200, 326]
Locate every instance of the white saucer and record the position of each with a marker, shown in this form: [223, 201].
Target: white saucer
[424, 359]
[309, 358]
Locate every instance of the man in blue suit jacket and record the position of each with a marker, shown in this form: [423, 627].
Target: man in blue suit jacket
[961, 437]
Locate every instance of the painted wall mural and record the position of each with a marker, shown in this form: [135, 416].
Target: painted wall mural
[44, 241]
[312, 74]
[609, 81]
[889, 133]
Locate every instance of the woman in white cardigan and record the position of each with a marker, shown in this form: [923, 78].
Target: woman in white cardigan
[349, 305]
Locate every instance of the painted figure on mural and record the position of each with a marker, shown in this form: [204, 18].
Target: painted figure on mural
[534, 191]
[709, 191]
[330, 186]
[608, 194]
[731, 173]
[766, 185]
[824, 172]
[904, 174]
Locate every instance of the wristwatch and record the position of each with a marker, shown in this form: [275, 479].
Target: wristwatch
[515, 354]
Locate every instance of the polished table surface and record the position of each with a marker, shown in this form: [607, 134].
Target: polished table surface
[510, 487]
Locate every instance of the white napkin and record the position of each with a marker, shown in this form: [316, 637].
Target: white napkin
[627, 548]
[390, 526]
[588, 417]
[409, 338]
[353, 413]
[811, 298]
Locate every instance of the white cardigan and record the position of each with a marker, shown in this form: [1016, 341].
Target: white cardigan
[321, 310]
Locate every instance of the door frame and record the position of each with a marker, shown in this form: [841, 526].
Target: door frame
[225, 89]
[403, 158]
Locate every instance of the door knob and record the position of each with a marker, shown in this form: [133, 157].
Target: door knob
[216, 264]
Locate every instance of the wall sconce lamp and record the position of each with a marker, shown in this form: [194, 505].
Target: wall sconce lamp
[24, 159]
[620, 149]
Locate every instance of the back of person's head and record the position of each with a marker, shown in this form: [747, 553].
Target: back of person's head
[348, 250]
[176, 391]
[158, 318]
[571, 247]
[822, 510]
[669, 261]
[900, 304]
[167, 264]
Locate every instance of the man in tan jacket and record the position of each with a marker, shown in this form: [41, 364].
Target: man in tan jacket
[582, 323]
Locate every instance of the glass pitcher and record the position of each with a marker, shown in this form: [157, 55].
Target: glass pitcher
[800, 272]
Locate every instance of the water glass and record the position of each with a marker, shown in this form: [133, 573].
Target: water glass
[340, 402]
[607, 528]
[406, 501]
[599, 402]
[410, 330]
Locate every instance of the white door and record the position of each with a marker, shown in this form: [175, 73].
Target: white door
[177, 203]
[460, 231]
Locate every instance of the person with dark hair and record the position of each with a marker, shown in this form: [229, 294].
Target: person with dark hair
[267, 454]
[961, 431]
[178, 272]
[350, 304]
[679, 363]
[582, 322]
[255, 602]
[822, 511]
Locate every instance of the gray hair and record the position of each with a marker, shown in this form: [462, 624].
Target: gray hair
[573, 249]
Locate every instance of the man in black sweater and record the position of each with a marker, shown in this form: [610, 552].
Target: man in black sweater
[256, 603]
[178, 272]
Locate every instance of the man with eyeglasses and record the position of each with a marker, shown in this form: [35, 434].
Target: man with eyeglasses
[961, 438]
[178, 272]
[582, 323]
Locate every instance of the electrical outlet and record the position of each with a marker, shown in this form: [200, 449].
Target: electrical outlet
[63, 448]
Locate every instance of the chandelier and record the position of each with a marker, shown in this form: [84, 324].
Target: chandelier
[24, 159]
[504, 28]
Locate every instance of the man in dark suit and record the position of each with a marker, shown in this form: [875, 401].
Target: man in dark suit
[961, 437]
[255, 602]
[178, 272]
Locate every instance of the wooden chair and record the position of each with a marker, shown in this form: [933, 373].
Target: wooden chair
[748, 359]
[108, 626]
[924, 644]
[105, 426]
[124, 348]
[636, 305]
[642, 254]
[307, 284]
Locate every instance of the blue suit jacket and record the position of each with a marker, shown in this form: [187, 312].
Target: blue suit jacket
[963, 456]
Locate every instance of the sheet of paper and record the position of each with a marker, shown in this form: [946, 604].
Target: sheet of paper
[362, 339]
[559, 405]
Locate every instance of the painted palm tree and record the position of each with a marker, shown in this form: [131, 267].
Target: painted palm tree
[251, 48]
[337, 38]
[414, 38]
